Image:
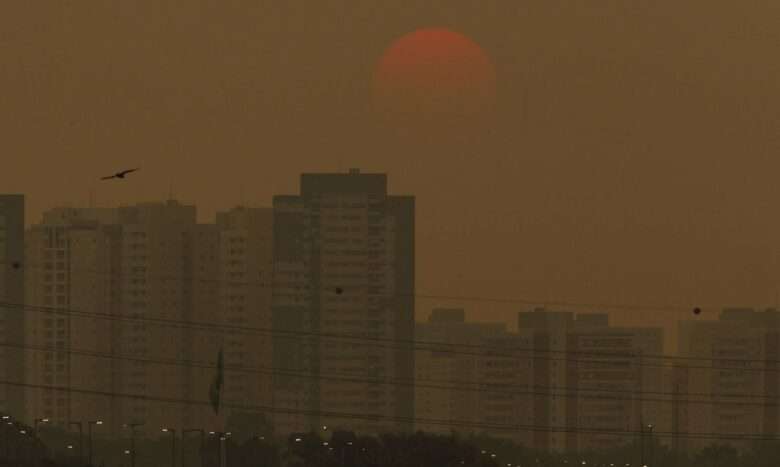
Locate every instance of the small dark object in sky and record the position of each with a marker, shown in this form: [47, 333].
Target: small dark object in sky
[339, 290]
[16, 265]
[697, 311]
[120, 174]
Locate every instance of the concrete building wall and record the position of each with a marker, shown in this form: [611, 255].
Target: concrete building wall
[344, 264]
[70, 271]
[12, 321]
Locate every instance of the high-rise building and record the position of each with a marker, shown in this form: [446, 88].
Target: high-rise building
[343, 266]
[546, 331]
[611, 386]
[12, 320]
[137, 283]
[156, 283]
[505, 383]
[447, 378]
[728, 373]
[71, 264]
[245, 270]
[590, 379]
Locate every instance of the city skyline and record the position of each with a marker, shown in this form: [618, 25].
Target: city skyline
[143, 281]
[617, 127]
[381, 234]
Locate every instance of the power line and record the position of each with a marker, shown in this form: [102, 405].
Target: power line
[568, 392]
[377, 341]
[401, 419]
[461, 298]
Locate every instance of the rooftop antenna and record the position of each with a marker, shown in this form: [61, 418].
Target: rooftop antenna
[170, 191]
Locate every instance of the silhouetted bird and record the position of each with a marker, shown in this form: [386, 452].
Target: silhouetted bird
[16, 265]
[339, 290]
[696, 311]
[120, 174]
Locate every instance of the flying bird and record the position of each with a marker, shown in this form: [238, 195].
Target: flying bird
[120, 174]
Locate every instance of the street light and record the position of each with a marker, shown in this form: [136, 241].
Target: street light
[173, 444]
[81, 439]
[6, 441]
[132, 427]
[22, 431]
[36, 439]
[222, 437]
[89, 429]
[646, 428]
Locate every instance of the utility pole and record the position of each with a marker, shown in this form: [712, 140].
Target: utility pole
[89, 428]
[221, 436]
[641, 411]
[676, 422]
[132, 427]
[172, 431]
[81, 439]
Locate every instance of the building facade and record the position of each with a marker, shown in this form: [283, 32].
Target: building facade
[149, 296]
[71, 265]
[591, 380]
[12, 320]
[447, 390]
[343, 266]
[728, 377]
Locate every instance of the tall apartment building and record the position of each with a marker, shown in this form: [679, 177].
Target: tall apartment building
[245, 269]
[12, 291]
[71, 264]
[149, 261]
[590, 377]
[611, 386]
[447, 384]
[156, 282]
[506, 393]
[728, 377]
[547, 331]
[343, 265]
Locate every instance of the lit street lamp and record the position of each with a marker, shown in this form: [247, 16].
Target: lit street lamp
[6, 441]
[36, 439]
[81, 439]
[89, 429]
[222, 437]
[132, 427]
[173, 444]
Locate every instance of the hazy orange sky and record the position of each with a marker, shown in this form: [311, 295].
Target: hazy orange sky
[634, 159]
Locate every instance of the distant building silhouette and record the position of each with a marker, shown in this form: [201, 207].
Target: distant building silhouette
[12, 270]
[343, 264]
[72, 263]
[245, 268]
[149, 260]
[479, 379]
[575, 357]
[435, 400]
[736, 367]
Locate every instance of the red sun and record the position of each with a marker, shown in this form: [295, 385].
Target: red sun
[434, 76]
